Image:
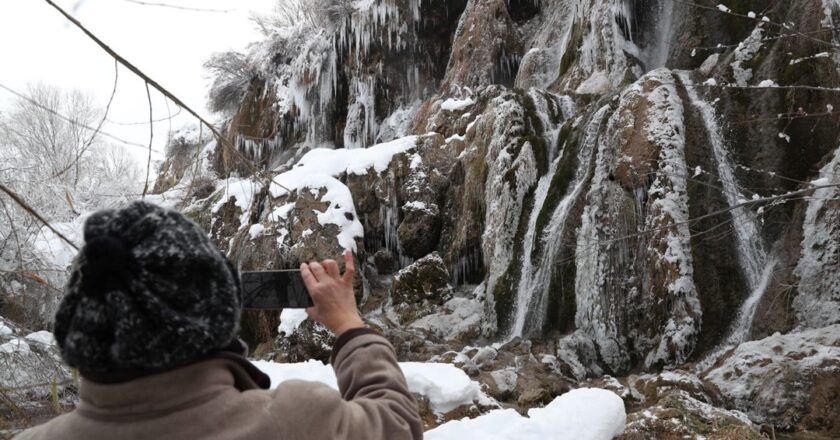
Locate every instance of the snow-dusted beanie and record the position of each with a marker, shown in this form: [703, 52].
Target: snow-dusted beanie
[148, 292]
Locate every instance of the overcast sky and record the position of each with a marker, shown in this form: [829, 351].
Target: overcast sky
[170, 45]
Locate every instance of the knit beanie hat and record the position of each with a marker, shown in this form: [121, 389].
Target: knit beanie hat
[147, 292]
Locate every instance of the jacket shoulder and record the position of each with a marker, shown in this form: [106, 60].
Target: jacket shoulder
[55, 429]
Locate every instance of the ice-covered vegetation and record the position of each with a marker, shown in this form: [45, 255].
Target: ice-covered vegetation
[65, 170]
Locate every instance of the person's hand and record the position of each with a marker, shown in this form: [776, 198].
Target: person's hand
[332, 293]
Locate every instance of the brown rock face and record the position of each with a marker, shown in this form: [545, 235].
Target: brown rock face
[310, 340]
[486, 48]
[420, 286]
[420, 229]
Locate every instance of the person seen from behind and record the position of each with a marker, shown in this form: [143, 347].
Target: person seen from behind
[150, 318]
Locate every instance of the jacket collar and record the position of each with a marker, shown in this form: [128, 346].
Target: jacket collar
[172, 390]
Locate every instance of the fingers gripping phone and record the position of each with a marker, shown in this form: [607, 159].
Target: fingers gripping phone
[274, 289]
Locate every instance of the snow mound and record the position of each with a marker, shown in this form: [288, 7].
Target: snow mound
[353, 161]
[41, 337]
[582, 414]
[311, 370]
[446, 386]
[290, 320]
[456, 104]
[15, 346]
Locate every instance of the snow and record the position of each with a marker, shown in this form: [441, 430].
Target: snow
[55, 250]
[709, 64]
[456, 137]
[242, 191]
[505, 379]
[461, 316]
[311, 370]
[319, 169]
[452, 105]
[281, 212]
[723, 8]
[582, 414]
[5, 330]
[596, 84]
[446, 386]
[769, 377]
[710, 82]
[41, 337]
[768, 83]
[416, 205]
[290, 320]
[744, 53]
[17, 345]
[353, 161]
[256, 230]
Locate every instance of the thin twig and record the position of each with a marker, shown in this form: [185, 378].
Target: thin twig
[151, 138]
[183, 8]
[178, 112]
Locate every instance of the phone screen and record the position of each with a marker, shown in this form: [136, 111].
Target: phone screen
[282, 289]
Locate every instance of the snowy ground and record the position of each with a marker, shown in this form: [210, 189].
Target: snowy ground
[582, 414]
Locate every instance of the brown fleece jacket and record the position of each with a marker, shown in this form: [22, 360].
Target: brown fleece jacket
[220, 398]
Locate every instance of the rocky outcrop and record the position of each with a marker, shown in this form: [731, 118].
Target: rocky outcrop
[678, 415]
[310, 340]
[486, 47]
[632, 185]
[787, 381]
[420, 287]
[637, 187]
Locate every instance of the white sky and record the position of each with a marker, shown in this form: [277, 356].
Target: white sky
[37, 44]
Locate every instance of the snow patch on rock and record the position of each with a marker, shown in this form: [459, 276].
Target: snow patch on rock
[290, 320]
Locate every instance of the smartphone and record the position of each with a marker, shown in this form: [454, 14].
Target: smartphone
[274, 289]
